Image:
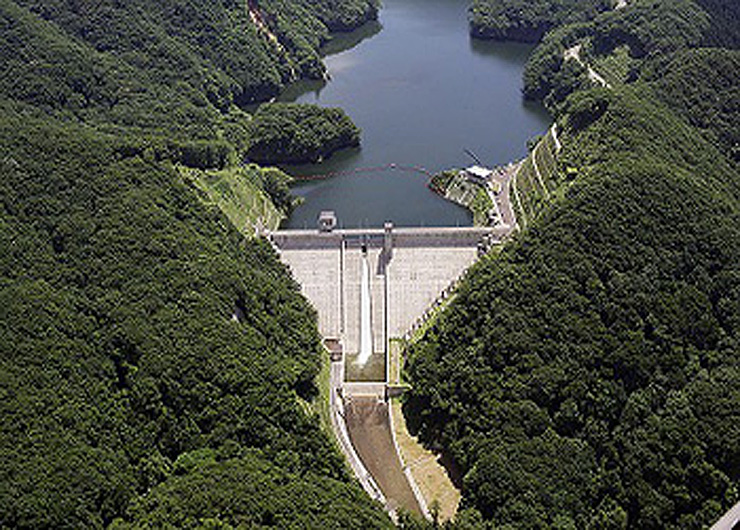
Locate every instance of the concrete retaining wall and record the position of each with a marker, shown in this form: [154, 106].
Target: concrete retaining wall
[357, 389]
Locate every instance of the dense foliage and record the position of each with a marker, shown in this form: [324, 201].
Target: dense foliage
[293, 132]
[584, 377]
[725, 21]
[174, 68]
[548, 77]
[650, 30]
[648, 25]
[528, 20]
[156, 368]
[211, 47]
[120, 350]
[586, 373]
[703, 86]
[248, 492]
[652, 26]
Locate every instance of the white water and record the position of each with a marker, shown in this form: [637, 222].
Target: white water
[366, 330]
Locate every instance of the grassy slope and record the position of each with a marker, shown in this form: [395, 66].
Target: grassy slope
[237, 192]
[529, 185]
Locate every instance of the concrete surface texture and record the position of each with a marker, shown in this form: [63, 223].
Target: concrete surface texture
[423, 262]
[417, 276]
[405, 277]
[352, 278]
[351, 389]
[318, 270]
[369, 429]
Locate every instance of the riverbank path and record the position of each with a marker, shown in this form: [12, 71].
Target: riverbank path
[502, 199]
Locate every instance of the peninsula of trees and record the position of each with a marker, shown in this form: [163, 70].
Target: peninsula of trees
[294, 133]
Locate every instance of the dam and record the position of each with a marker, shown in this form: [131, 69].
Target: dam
[420, 114]
[409, 269]
[370, 286]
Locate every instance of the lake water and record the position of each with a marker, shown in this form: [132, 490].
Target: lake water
[422, 91]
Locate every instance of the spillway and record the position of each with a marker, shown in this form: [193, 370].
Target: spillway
[366, 329]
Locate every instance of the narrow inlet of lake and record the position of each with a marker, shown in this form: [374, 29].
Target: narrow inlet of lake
[423, 92]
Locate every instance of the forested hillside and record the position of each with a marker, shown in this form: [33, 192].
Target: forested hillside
[290, 132]
[122, 364]
[166, 72]
[702, 86]
[126, 54]
[156, 367]
[529, 20]
[585, 376]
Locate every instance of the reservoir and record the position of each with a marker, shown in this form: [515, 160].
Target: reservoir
[422, 92]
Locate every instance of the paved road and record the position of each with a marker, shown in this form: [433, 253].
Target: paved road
[730, 520]
[593, 75]
[503, 197]
[554, 134]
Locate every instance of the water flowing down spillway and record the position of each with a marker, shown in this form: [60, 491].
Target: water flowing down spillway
[366, 330]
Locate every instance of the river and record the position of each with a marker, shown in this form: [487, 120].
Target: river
[422, 91]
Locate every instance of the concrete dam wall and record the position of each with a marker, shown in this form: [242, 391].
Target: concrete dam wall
[408, 274]
[402, 271]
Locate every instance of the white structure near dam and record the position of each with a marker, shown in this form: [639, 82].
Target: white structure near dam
[368, 286]
[409, 269]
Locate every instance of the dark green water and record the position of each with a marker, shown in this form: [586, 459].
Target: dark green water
[422, 91]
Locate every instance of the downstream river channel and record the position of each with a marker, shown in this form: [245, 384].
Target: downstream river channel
[423, 92]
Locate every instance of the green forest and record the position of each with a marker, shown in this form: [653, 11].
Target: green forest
[162, 74]
[147, 349]
[586, 376]
[529, 20]
[157, 368]
[294, 133]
